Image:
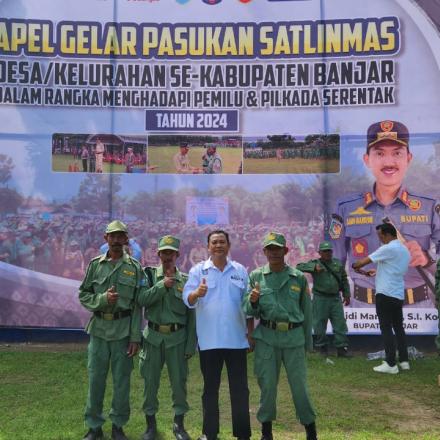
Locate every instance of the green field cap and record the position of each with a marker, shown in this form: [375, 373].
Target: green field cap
[116, 226]
[168, 242]
[325, 246]
[274, 238]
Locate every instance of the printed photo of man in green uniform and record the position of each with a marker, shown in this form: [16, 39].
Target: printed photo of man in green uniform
[279, 296]
[109, 290]
[329, 279]
[169, 338]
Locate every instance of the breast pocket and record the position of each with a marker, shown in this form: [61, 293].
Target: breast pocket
[99, 285]
[419, 233]
[236, 290]
[176, 303]
[126, 286]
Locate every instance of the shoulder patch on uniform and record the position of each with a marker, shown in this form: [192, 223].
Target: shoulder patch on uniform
[335, 227]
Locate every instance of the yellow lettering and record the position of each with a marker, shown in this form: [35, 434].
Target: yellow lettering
[391, 44]
[352, 37]
[371, 38]
[150, 40]
[266, 40]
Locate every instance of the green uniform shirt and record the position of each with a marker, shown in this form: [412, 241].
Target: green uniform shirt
[129, 280]
[324, 283]
[284, 297]
[165, 306]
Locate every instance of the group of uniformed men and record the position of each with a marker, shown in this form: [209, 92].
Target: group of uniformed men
[218, 296]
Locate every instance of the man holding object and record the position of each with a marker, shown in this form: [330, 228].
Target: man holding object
[392, 260]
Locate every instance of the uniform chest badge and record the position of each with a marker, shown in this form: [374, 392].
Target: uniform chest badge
[414, 204]
[295, 289]
[127, 272]
[359, 247]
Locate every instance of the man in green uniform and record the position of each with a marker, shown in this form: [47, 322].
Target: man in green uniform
[170, 337]
[437, 302]
[279, 297]
[329, 278]
[110, 289]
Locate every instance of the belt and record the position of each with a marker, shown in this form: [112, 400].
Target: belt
[416, 294]
[165, 328]
[280, 325]
[112, 316]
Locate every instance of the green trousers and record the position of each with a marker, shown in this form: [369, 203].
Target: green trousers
[325, 308]
[152, 360]
[267, 365]
[102, 355]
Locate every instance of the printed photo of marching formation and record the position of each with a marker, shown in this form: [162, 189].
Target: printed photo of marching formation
[287, 154]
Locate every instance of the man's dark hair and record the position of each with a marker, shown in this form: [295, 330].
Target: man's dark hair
[219, 231]
[387, 228]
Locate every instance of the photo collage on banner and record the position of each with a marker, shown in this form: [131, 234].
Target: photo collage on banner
[180, 117]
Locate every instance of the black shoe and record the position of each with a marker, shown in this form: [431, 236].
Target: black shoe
[311, 431]
[118, 433]
[94, 434]
[178, 428]
[344, 353]
[267, 437]
[151, 431]
[323, 350]
[243, 438]
[205, 437]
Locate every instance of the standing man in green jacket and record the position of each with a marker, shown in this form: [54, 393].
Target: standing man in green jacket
[170, 337]
[109, 290]
[279, 296]
[329, 278]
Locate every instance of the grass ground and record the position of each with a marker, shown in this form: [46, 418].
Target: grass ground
[43, 395]
[61, 162]
[290, 166]
[162, 157]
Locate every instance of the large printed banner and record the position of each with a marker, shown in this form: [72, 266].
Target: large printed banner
[180, 116]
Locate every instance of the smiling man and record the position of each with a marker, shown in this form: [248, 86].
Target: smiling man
[415, 217]
[215, 288]
[279, 297]
[109, 290]
[169, 337]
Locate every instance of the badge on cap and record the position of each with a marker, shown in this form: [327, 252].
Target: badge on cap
[386, 126]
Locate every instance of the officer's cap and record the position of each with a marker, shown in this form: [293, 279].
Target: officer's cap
[274, 238]
[325, 246]
[168, 242]
[387, 131]
[116, 226]
[184, 145]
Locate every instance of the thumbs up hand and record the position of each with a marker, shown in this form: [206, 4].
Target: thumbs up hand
[255, 294]
[169, 280]
[202, 289]
[112, 295]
